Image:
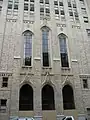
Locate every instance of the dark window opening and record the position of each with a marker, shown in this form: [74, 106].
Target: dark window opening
[9, 6]
[28, 61]
[26, 98]
[85, 83]
[41, 9]
[56, 11]
[5, 82]
[48, 98]
[69, 4]
[16, 7]
[68, 98]
[3, 102]
[71, 13]
[55, 2]
[45, 59]
[41, 1]
[31, 7]
[26, 6]
[46, 1]
[62, 12]
[47, 10]
[74, 5]
[31, 0]
[64, 60]
[60, 3]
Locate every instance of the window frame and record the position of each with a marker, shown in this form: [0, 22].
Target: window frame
[23, 49]
[68, 53]
[49, 47]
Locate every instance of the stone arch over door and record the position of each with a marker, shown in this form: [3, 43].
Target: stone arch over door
[26, 98]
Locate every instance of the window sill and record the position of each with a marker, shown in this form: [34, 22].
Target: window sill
[46, 67]
[26, 66]
[65, 68]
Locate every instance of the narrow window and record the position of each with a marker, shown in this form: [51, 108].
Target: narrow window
[88, 32]
[28, 48]
[68, 98]
[3, 105]
[45, 53]
[63, 51]
[55, 2]
[85, 83]
[5, 82]
[62, 12]
[3, 102]
[57, 11]
[60, 3]
[26, 6]
[69, 4]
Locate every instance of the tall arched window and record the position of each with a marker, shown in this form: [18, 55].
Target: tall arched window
[63, 51]
[48, 102]
[26, 98]
[27, 48]
[45, 53]
[68, 97]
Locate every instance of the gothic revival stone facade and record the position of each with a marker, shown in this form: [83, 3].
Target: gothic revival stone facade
[44, 59]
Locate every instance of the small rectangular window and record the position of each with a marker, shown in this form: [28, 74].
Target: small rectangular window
[47, 10]
[31, 0]
[41, 9]
[41, 1]
[69, 4]
[5, 82]
[3, 102]
[74, 5]
[62, 12]
[76, 14]
[71, 13]
[55, 2]
[9, 6]
[16, 7]
[31, 7]
[88, 32]
[46, 1]
[26, 6]
[56, 11]
[3, 105]
[85, 83]
[85, 19]
[60, 3]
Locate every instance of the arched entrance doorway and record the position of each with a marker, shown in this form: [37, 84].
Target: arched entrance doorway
[26, 98]
[48, 102]
[68, 97]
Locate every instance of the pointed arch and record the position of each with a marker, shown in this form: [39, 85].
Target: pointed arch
[68, 97]
[48, 102]
[63, 50]
[27, 31]
[27, 47]
[26, 98]
[62, 35]
[45, 28]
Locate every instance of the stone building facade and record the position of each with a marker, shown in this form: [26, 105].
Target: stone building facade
[44, 59]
